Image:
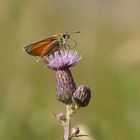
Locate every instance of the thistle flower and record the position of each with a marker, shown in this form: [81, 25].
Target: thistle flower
[81, 96]
[61, 61]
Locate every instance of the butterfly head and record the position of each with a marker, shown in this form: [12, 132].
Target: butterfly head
[63, 38]
[65, 35]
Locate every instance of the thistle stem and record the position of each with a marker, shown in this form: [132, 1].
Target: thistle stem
[67, 126]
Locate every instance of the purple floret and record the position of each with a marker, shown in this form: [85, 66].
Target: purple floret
[62, 59]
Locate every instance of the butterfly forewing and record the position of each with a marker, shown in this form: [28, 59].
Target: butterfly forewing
[42, 47]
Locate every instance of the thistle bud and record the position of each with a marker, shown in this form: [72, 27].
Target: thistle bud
[61, 116]
[81, 96]
[75, 131]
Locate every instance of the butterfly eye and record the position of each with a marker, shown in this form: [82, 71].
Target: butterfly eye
[64, 35]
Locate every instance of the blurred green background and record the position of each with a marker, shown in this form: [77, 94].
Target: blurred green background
[109, 43]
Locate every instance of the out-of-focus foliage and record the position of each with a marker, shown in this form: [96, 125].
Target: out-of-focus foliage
[110, 45]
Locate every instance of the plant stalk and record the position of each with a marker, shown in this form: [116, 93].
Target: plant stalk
[67, 126]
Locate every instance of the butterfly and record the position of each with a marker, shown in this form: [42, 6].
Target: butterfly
[49, 45]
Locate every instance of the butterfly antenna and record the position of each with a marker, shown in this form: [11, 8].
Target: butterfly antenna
[74, 32]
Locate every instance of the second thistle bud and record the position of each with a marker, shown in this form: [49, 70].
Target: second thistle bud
[75, 131]
[81, 96]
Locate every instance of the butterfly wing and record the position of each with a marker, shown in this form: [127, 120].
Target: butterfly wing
[42, 47]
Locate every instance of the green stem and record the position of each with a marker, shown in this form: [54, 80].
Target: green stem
[67, 126]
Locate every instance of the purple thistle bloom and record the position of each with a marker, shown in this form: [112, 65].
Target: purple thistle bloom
[61, 61]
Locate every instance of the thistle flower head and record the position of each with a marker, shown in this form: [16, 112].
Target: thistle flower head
[62, 59]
